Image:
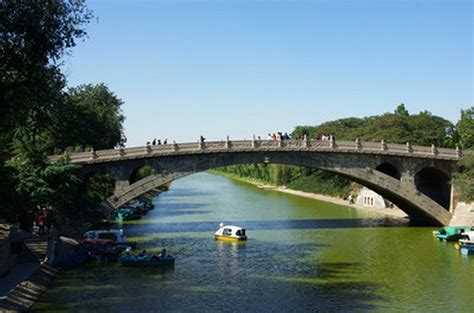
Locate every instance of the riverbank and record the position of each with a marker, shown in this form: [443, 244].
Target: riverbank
[24, 295]
[395, 212]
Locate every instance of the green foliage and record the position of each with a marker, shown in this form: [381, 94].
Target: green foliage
[10, 204]
[43, 185]
[99, 188]
[141, 173]
[91, 116]
[464, 178]
[322, 182]
[420, 129]
[295, 177]
[401, 110]
[465, 129]
[399, 127]
[34, 35]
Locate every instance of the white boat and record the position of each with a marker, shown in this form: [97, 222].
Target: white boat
[467, 238]
[230, 233]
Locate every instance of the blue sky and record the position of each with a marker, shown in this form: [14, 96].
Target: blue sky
[217, 68]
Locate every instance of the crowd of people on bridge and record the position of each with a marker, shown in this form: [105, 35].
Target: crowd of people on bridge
[271, 136]
[278, 136]
[286, 136]
[157, 142]
[325, 137]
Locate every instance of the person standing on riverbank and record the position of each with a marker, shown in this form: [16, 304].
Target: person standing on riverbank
[41, 223]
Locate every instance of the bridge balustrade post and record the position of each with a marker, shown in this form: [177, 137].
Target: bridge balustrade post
[148, 149]
[121, 152]
[175, 146]
[93, 154]
[254, 142]
[458, 152]
[358, 145]
[201, 145]
[228, 144]
[409, 148]
[383, 145]
[305, 141]
[434, 150]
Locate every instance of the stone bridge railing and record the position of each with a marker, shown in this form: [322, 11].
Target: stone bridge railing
[357, 146]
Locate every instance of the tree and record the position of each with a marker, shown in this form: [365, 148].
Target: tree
[401, 110]
[464, 178]
[91, 116]
[465, 129]
[34, 35]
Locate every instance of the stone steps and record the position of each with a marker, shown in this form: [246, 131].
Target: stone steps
[37, 246]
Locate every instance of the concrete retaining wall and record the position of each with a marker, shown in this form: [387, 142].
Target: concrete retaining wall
[6, 258]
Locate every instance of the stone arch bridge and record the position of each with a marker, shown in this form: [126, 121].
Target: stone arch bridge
[417, 179]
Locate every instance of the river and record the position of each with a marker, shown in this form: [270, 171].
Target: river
[302, 255]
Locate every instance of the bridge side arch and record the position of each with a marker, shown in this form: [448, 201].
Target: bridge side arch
[416, 204]
[389, 169]
[434, 183]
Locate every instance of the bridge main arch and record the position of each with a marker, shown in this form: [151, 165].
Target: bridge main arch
[362, 169]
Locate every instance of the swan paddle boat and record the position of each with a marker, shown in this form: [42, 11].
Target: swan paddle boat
[230, 233]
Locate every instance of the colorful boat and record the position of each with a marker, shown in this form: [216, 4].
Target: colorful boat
[451, 233]
[230, 233]
[128, 214]
[466, 249]
[148, 203]
[111, 240]
[467, 238]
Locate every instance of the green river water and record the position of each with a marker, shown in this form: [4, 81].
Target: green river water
[302, 255]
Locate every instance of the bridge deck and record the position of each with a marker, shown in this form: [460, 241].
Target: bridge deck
[263, 145]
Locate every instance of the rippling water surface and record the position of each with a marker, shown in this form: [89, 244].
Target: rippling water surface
[302, 255]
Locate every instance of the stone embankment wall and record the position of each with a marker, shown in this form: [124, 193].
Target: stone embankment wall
[5, 249]
[463, 214]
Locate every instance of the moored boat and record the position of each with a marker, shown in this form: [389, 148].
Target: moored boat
[466, 249]
[128, 214]
[467, 238]
[230, 233]
[106, 240]
[451, 233]
[147, 202]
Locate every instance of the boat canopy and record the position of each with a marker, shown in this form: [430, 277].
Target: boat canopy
[469, 235]
[232, 229]
[455, 230]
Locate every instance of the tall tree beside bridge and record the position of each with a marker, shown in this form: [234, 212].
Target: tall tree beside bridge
[34, 35]
[465, 134]
[90, 117]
